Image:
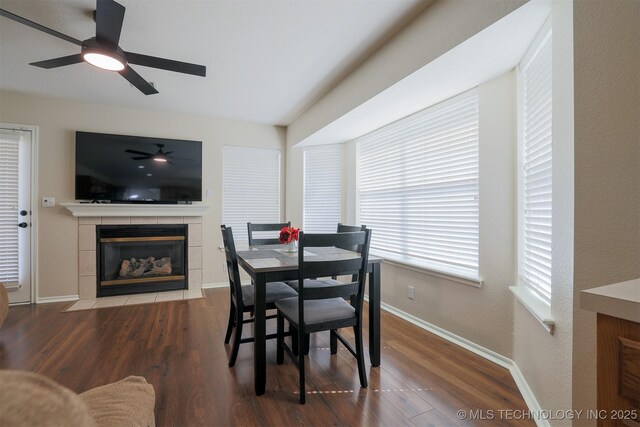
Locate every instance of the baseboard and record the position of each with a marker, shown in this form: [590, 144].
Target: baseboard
[527, 394]
[484, 352]
[481, 351]
[215, 285]
[61, 298]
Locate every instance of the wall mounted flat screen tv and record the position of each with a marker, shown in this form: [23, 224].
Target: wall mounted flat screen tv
[134, 169]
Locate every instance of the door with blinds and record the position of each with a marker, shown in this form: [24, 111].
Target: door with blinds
[15, 213]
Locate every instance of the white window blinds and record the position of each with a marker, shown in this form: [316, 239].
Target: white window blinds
[418, 187]
[9, 240]
[322, 188]
[251, 188]
[535, 174]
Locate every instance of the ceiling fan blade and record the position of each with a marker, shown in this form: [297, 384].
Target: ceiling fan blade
[181, 158]
[59, 62]
[109, 17]
[138, 152]
[168, 152]
[141, 158]
[137, 80]
[166, 64]
[37, 26]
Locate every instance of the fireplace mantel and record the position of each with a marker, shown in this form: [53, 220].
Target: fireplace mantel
[124, 209]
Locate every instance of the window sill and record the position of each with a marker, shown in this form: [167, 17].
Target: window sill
[464, 279]
[537, 307]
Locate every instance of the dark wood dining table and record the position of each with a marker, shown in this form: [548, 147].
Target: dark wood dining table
[270, 263]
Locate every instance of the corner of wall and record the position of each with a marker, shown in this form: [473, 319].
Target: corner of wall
[607, 160]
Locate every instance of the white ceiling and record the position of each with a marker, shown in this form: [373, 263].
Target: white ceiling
[267, 61]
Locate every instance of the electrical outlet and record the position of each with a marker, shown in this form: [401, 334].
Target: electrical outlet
[411, 292]
[224, 266]
[48, 202]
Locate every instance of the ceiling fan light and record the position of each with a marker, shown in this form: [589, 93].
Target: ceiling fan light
[158, 158]
[103, 61]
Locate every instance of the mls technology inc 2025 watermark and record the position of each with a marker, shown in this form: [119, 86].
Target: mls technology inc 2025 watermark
[550, 415]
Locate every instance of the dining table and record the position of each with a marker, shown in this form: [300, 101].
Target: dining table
[272, 263]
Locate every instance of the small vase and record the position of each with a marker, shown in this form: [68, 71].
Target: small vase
[291, 247]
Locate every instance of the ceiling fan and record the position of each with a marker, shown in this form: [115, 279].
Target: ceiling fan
[103, 51]
[159, 156]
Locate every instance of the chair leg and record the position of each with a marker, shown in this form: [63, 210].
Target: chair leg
[294, 340]
[333, 341]
[307, 343]
[232, 315]
[301, 366]
[236, 339]
[357, 330]
[280, 340]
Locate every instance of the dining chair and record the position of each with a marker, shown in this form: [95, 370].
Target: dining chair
[242, 297]
[342, 228]
[324, 308]
[252, 228]
[320, 282]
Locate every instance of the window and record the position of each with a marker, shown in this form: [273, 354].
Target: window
[9, 238]
[535, 177]
[251, 188]
[322, 188]
[418, 187]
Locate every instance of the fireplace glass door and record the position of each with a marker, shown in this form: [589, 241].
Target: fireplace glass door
[141, 258]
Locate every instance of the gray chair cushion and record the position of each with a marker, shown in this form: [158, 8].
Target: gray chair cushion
[317, 311]
[275, 291]
[314, 283]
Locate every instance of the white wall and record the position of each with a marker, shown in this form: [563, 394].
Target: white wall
[607, 166]
[294, 210]
[59, 119]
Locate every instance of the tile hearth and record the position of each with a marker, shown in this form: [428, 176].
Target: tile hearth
[119, 301]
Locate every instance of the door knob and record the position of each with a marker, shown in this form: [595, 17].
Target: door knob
[23, 213]
[23, 225]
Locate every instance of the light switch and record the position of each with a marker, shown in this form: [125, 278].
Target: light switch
[48, 202]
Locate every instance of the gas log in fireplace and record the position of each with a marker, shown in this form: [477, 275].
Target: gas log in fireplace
[134, 259]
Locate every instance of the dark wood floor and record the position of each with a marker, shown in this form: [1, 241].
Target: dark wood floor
[178, 346]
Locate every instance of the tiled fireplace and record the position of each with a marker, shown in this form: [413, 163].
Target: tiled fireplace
[139, 255]
[134, 258]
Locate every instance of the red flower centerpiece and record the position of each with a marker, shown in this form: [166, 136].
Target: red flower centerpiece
[289, 238]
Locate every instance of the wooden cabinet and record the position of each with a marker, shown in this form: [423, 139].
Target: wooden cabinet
[618, 371]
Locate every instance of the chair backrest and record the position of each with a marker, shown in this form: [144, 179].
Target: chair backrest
[342, 228]
[318, 265]
[252, 228]
[235, 284]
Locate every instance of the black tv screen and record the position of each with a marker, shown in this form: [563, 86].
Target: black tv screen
[134, 169]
